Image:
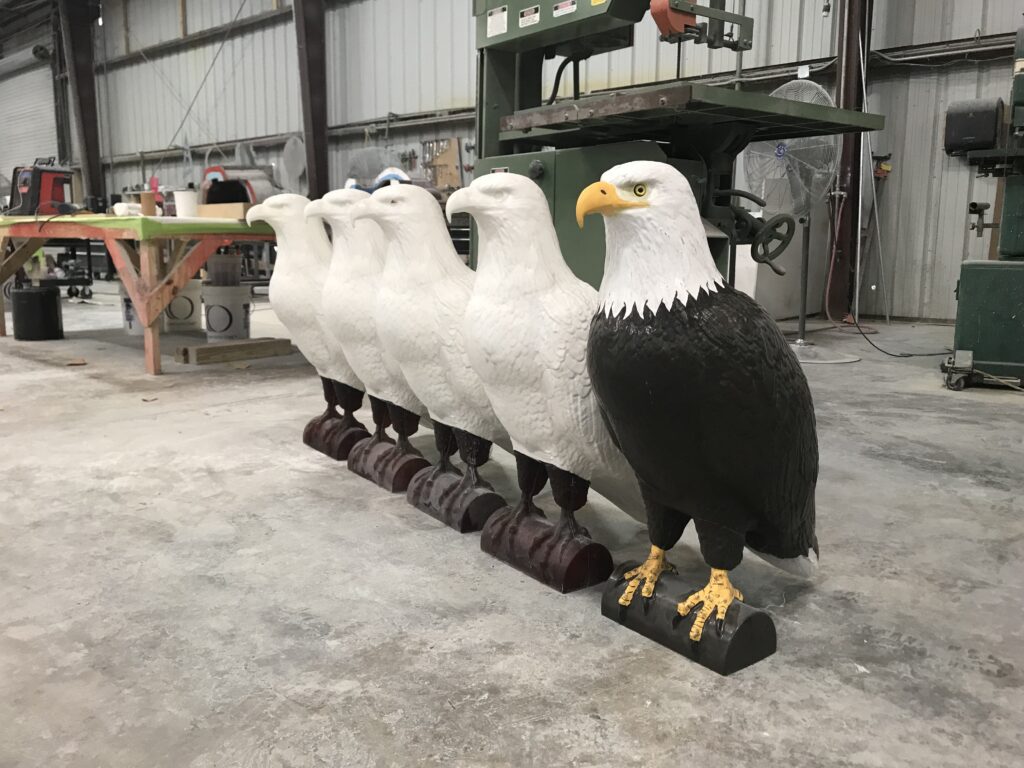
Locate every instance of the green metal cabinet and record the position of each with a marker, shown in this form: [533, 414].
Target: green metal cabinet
[990, 316]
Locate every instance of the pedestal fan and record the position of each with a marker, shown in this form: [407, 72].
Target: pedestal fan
[805, 168]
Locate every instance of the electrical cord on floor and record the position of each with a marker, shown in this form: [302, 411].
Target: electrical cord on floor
[853, 316]
[897, 354]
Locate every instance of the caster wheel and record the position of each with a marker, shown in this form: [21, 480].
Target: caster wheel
[72, 291]
[956, 383]
[87, 293]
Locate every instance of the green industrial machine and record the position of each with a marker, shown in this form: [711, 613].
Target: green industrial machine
[564, 145]
[989, 339]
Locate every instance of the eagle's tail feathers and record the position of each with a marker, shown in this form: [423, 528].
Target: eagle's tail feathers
[805, 566]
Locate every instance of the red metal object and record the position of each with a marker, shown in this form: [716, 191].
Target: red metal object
[39, 189]
[670, 21]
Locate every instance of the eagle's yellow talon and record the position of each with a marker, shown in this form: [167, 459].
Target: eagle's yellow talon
[653, 567]
[715, 598]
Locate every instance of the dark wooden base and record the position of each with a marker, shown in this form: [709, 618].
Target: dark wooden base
[538, 548]
[333, 436]
[383, 463]
[746, 636]
[453, 498]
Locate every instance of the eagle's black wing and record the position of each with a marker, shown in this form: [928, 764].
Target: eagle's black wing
[755, 420]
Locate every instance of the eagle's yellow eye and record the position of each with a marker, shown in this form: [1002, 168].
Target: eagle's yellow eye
[639, 190]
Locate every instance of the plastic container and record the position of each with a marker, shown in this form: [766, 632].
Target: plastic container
[37, 314]
[130, 321]
[186, 203]
[227, 309]
[184, 313]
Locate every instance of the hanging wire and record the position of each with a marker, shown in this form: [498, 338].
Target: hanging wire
[202, 84]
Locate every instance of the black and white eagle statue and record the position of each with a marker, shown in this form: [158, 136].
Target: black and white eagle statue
[699, 390]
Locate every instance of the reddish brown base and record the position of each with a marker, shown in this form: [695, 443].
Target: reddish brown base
[381, 462]
[538, 548]
[333, 435]
[454, 499]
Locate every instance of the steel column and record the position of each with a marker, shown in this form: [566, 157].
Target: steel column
[76, 20]
[855, 25]
[312, 46]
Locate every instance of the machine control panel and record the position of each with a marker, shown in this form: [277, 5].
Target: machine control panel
[565, 26]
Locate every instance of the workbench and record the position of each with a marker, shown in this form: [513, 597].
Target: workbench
[137, 246]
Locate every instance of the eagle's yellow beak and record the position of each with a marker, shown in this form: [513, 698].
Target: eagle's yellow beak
[602, 197]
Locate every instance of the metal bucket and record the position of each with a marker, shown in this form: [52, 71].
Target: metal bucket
[227, 311]
[184, 313]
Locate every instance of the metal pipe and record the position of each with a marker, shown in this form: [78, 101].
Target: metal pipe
[805, 268]
[407, 122]
[856, 18]
[742, 11]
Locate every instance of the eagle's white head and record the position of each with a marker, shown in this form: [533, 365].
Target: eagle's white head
[412, 222]
[281, 212]
[403, 209]
[514, 222]
[300, 241]
[338, 209]
[656, 247]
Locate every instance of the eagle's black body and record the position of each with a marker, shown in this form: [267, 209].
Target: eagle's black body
[712, 411]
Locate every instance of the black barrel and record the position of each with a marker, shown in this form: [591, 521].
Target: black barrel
[36, 314]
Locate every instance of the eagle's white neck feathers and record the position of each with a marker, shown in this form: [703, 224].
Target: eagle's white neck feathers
[650, 266]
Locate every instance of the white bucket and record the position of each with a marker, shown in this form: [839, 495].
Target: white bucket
[184, 313]
[227, 311]
[129, 320]
[186, 203]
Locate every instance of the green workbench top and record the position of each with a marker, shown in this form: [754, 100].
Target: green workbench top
[149, 227]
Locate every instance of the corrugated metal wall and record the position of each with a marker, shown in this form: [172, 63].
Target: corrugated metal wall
[399, 56]
[924, 222]
[407, 56]
[910, 22]
[252, 89]
[29, 127]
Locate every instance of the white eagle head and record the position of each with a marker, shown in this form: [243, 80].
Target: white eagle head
[656, 245]
[403, 210]
[279, 211]
[500, 200]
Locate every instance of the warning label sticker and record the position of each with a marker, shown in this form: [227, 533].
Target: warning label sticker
[564, 8]
[529, 16]
[497, 21]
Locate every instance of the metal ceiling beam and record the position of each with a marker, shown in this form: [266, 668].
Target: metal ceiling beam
[76, 22]
[312, 47]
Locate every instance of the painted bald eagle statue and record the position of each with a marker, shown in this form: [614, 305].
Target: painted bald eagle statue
[699, 389]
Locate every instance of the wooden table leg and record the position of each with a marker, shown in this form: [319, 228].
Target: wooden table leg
[149, 258]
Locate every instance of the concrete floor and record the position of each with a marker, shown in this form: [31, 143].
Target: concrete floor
[183, 583]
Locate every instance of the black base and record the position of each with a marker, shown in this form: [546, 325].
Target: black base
[747, 634]
[535, 546]
[453, 499]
